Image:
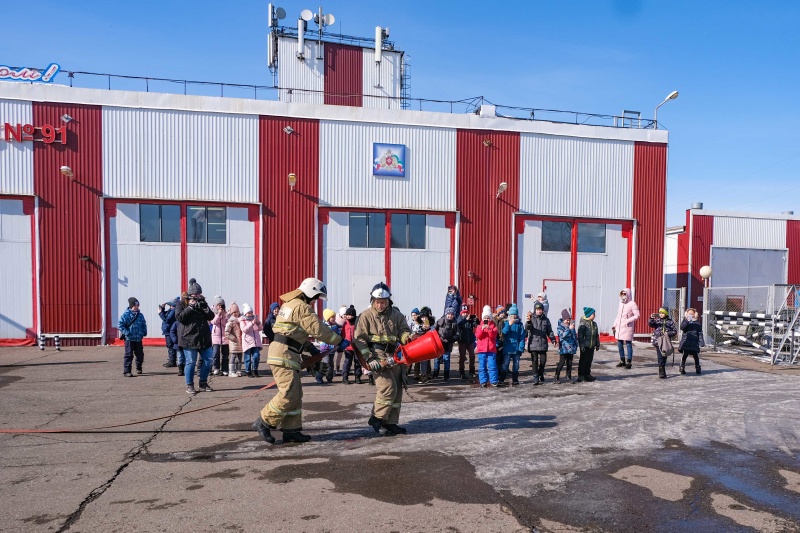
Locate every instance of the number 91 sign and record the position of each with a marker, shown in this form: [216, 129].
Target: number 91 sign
[47, 133]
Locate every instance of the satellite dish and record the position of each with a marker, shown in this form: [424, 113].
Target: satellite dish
[280, 13]
[329, 19]
[306, 15]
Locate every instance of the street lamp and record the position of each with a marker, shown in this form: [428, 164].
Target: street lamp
[671, 96]
[501, 189]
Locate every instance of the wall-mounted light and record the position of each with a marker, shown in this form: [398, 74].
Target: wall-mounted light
[501, 189]
[66, 118]
[470, 274]
[288, 130]
[67, 172]
[85, 258]
[292, 180]
[487, 143]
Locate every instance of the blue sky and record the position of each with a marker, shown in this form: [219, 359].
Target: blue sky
[734, 130]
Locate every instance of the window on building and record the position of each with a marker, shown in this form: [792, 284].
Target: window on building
[592, 238]
[159, 223]
[556, 236]
[408, 231]
[367, 230]
[206, 225]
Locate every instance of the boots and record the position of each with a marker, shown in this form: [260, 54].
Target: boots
[683, 369]
[394, 429]
[662, 372]
[569, 377]
[535, 379]
[557, 379]
[463, 375]
[628, 366]
[372, 380]
[697, 369]
[262, 429]
[345, 379]
[359, 380]
[446, 375]
[621, 363]
[180, 369]
[375, 423]
[295, 436]
[232, 371]
[435, 374]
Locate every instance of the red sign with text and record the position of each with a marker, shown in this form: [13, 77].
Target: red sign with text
[47, 133]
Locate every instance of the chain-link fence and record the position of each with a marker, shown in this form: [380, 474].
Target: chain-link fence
[733, 313]
[675, 303]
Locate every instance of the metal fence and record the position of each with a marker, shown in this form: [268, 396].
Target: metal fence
[675, 303]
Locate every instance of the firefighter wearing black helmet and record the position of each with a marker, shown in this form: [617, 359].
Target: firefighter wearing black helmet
[295, 323]
[379, 331]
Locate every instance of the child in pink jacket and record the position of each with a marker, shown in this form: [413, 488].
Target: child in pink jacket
[219, 342]
[486, 335]
[251, 340]
[627, 315]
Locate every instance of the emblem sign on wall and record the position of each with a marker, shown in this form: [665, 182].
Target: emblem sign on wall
[389, 160]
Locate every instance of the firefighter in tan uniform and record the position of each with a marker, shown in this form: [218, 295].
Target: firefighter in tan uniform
[378, 332]
[295, 323]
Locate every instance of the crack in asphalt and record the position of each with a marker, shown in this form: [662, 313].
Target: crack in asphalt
[129, 458]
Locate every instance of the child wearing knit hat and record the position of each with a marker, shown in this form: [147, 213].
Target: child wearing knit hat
[588, 342]
[132, 329]
[486, 335]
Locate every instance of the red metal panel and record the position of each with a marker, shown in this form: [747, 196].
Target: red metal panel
[793, 244]
[69, 219]
[649, 211]
[701, 240]
[486, 232]
[289, 221]
[343, 75]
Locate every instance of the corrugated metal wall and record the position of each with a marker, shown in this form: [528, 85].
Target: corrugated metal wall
[702, 238]
[16, 280]
[180, 155]
[600, 277]
[289, 223]
[486, 222]
[346, 167]
[576, 177]
[349, 273]
[69, 219]
[736, 232]
[229, 270]
[148, 271]
[16, 158]
[649, 210]
[381, 79]
[343, 74]
[793, 244]
[421, 277]
[308, 75]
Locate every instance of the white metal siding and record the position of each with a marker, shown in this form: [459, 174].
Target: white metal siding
[180, 155]
[735, 232]
[600, 278]
[16, 287]
[421, 277]
[670, 261]
[381, 79]
[16, 158]
[308, 75]
[148, 271]
[346, 167]
[349, 273]
[228, 270]
[534, 266]
[569, 176]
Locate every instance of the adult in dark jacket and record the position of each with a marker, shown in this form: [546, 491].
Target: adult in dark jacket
[453, 299]
[664, 331]
[692, 340]
[270, 321]
[466, 341]
[194, 335]
[448, 332]
[588, 342]
[538, 330]
[166, 312]
[180, 357]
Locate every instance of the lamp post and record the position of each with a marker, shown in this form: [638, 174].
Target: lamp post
[671, 96]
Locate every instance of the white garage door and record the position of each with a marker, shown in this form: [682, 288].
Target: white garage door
[16, 278]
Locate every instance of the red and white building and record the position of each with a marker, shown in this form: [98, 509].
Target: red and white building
[167, 187]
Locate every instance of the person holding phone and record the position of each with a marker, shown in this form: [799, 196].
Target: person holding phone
[194, 335]
[486, 335]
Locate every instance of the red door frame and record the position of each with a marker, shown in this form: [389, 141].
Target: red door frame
[29, 209]
[449, 221]
[519, 228]
[111, 211]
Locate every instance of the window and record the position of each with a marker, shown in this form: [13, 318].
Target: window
[159, 223]
[408, 231]
[367, 230]
[592, 238]
[206, 225]
[556, 236]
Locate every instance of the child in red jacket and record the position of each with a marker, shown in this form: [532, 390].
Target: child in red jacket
[486, 335]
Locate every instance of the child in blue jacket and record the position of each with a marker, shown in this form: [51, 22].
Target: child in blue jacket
[179, 356]
[166, 312]
[132, 328]
[567, 344]
[514, 335]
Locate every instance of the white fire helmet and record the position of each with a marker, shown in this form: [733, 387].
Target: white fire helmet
[312, 287]
[380, 291]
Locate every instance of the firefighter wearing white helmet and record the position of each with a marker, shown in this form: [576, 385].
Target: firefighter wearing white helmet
[295, 323]
[378, 332]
